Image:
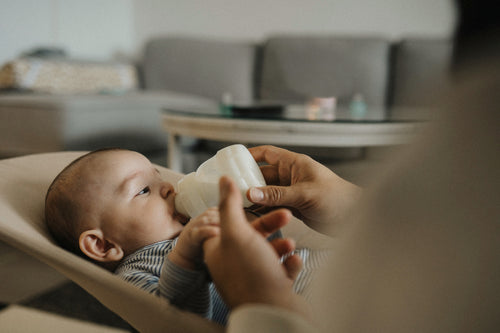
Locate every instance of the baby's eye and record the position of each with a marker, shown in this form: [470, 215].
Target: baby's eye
[144, 191]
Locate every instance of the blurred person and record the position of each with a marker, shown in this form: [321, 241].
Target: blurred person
[418, 251]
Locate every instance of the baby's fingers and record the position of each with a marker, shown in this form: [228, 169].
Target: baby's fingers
[210, 216]
[202, 233]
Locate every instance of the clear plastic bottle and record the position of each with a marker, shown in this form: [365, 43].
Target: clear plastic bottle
[199, 190]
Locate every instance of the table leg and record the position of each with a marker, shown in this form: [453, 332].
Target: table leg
[174, 155]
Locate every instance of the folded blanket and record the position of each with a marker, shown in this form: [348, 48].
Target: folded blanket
[67, 76]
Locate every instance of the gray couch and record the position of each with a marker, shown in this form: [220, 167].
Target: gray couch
[185, 71]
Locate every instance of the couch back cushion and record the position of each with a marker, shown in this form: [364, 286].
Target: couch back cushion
[421, 71]
[296, 68]
[203, 67]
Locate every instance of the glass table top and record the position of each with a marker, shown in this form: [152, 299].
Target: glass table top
[282, 112]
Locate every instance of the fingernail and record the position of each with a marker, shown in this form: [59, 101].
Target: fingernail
[256, 195]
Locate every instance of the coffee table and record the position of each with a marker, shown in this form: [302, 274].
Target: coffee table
[293, 126]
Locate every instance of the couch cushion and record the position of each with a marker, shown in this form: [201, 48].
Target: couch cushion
[203, 67]
[31, 123]
[421, 69]
[296, 68]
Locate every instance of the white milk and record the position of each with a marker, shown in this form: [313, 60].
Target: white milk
[199, 190]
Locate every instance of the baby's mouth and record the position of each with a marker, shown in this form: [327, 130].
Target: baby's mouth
[181, 218]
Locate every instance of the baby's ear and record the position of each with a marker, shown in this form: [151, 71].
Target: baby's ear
[95, 246]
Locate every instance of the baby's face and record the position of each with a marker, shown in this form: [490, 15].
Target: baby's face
[135, 207]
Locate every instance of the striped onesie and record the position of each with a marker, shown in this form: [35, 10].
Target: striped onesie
[150, 269]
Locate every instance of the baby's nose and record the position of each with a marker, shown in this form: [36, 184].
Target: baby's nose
[166, 189]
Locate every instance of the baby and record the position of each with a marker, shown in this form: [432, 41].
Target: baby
[113, 207]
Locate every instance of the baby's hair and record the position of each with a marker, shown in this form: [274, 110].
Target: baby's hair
[62, 212]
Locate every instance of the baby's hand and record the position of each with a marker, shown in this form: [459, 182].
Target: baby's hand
[188, 251]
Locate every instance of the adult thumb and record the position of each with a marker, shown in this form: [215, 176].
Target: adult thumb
[230, 206]
[272, 196]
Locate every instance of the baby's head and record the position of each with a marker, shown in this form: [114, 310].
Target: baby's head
[109, 203]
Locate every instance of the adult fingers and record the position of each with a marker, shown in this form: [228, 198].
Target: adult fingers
[270, 154]
[232, 216]
[283, 246]
[275, 196]
[271, 174]
[291, 262]
[271, 222]
[293, 265]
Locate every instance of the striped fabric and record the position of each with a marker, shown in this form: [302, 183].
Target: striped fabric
[186, 289]
[150, 269]
[312, 261]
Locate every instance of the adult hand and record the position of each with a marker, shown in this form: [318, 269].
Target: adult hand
[244, 266]
[310, 190]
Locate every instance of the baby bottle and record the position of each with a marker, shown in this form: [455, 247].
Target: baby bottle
[199, 190]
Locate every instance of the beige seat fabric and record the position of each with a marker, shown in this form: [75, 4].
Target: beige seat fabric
[23, 183]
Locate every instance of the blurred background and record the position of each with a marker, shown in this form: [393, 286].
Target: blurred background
[117, 29]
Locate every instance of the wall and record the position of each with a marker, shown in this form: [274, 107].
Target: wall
[95, 29]
[256, 19]
[102, 29]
